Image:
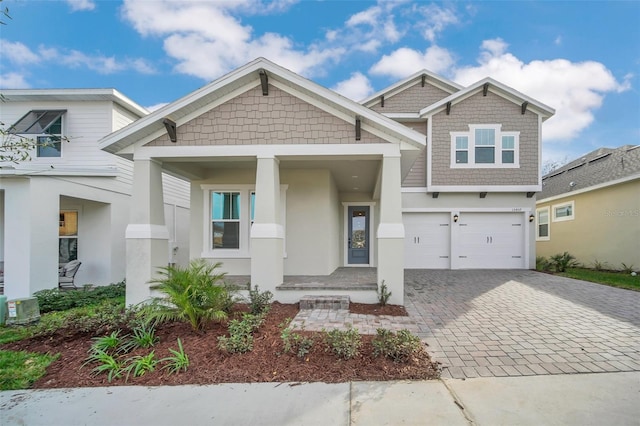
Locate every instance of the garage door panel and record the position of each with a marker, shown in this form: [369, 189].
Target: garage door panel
[427, 240]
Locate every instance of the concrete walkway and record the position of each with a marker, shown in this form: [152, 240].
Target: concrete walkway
[581, 399]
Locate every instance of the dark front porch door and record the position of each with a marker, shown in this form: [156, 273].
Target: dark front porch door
[358, 237]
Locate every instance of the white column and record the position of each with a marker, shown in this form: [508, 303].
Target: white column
[147, 236]
[267, 234]
[30, 237]
[391, 230]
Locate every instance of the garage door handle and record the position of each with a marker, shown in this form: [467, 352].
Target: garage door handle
[444, 257]
[516, 257]
[462, 257]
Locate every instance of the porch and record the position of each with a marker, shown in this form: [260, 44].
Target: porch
[352, 279]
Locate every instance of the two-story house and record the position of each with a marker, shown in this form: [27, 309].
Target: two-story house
[289, 178]
[71, 200]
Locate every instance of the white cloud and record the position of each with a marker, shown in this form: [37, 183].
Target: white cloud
[435, 19]
[13, 80]
[18, 53]
[574, 89]
[405, 61]
[79, 5]
[207, 40]
[356, 87]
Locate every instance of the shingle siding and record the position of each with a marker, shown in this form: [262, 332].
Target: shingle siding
[417, 175]
[478, 109]
[412, 99]
[279, 118]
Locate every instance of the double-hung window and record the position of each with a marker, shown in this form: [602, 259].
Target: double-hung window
[484, 145]
[225, 219]
[542, 230]
[46, 127]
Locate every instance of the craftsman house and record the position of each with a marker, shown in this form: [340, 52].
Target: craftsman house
[288, 178]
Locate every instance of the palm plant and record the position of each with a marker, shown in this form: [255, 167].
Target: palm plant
[195, 294]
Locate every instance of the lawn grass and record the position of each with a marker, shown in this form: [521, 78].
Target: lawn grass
[12, 334]
[19, 370]
[610, 278]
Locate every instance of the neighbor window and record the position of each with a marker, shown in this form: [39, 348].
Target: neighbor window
[563, 211]
[542, 231]
[68, 236]
[484, 145]
[46, 127]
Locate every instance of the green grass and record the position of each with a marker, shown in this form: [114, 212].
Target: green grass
[610, 278]
[19, 370]
[12, 334]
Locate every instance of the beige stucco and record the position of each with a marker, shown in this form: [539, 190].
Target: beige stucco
[606, 226]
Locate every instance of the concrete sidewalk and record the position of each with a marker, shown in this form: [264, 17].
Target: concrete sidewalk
[582, 399]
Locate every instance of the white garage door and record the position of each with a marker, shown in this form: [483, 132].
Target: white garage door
[490, 240]
[427, 240]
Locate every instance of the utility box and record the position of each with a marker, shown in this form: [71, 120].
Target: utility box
[23, 311]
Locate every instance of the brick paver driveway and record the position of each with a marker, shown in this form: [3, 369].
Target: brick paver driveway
[514, 323]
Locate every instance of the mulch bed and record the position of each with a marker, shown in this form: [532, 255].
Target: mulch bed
[209, 365]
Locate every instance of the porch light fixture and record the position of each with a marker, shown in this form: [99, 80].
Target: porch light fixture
[531, 217]
[264, 82]
[170, 125]
[455, 218]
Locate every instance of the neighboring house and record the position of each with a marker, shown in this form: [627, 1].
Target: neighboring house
[289, 178]
[591, 209]
[72, 200]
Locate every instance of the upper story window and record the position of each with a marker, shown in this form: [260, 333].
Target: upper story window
[484, 145]
[564, 211]
[46, 127]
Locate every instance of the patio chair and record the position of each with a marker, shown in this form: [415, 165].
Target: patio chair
[68, 274]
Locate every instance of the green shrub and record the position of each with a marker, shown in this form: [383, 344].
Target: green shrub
[542, 263]
[111, 343]
[193, 294]
[141, 364]
[177, 361]
[143, 337]
[561, 262]
[107, 363]
[240, 338]
[384, 294]
[345, 344]
[599, 266]
[259, 302]
[56, 300]
[398, 347]
[627, 269]
[293, 342]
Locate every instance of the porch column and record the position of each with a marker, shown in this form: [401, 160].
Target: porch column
[267, 234]
[391, 230]
[147, 236]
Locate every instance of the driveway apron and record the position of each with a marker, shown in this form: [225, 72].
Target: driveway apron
[483, 323]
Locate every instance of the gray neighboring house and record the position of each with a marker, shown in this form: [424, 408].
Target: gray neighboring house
[590, 207]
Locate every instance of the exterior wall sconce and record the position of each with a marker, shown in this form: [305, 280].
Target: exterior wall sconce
[455, 218]
[531, 217]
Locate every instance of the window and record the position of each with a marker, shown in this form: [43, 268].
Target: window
[68, 236]
[225, 217]
[563, 211]
[46, 127]
[542, 230]
[484, 145]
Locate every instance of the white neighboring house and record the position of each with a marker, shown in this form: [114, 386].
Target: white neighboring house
[72, 199]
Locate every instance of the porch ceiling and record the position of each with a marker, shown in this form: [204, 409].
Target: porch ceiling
[350, 175]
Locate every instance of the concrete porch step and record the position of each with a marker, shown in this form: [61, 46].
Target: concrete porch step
[306, 286]
[330, 302]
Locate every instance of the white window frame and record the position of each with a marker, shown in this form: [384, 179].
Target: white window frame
[564, 218]
[244, 250]
[546, 209]
[71, 237]
[498, 148]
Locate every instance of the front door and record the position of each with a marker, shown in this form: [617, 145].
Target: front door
[358, 237]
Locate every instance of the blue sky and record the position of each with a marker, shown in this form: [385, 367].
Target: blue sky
[582, 58]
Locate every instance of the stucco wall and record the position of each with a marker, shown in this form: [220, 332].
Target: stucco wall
[606, 227]
[479, 109]
[412, 99]
[279, 118]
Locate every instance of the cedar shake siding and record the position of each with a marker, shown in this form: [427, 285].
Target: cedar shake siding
[412, 99]
[417, 176]
[279, 118]
[478, 109]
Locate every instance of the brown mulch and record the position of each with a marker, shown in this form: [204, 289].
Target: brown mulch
[365, 308]
[209, 365]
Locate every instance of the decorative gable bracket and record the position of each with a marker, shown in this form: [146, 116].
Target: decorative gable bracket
[264, 82]
[172, 130]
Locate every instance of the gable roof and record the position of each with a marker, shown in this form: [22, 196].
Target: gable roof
[226, 87]
[436, 80]
[73, 95]
[495, 87]
[602, 166]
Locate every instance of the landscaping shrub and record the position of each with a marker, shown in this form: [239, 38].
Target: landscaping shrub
[384, 294]
[195, 294]
[561, 262]
[398, 347]
[240, 338]
[178, 360]
[542, 263]
[345, 344]
[293, 342]
[56, 300]
[259, 302]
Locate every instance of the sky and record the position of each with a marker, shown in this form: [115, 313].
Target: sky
[580, 57]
